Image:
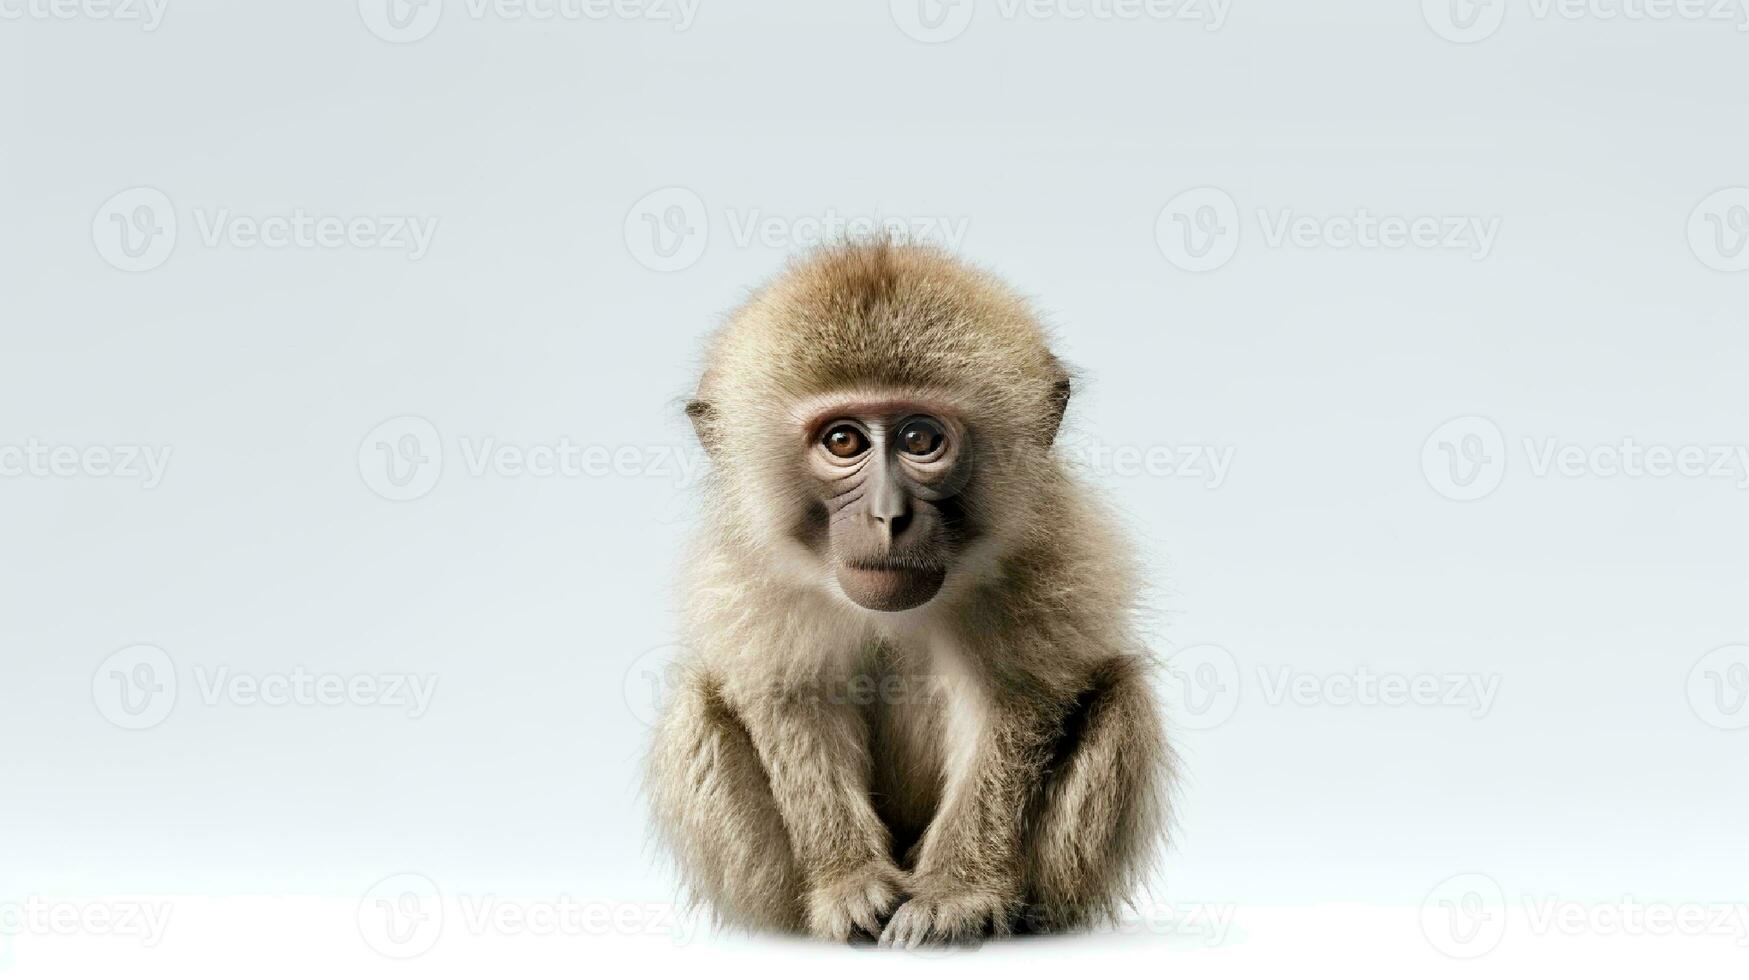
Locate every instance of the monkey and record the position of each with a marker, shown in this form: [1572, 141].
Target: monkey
[914, 706]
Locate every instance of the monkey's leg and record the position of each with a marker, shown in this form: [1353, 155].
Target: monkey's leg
[1101, 810]
[715, 808]
[815, 750]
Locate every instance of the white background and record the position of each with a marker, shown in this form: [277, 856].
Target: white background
[598, 191]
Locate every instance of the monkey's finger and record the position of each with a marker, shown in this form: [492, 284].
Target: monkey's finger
[913, 931]
[896, 928]
[921, 934]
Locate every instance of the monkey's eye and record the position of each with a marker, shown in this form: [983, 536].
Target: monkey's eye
[845, 441]
[920, 437]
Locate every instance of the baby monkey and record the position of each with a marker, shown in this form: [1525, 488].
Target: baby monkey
[914, 705]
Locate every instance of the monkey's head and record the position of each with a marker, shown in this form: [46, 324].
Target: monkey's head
[880, 418]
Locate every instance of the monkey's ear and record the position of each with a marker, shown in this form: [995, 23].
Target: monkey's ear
[703, 417]
[1059, 403]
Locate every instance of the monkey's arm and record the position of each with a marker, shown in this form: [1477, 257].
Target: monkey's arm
[968, 878]
[815, 752]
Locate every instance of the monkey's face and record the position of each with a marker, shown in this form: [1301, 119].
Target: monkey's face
[889, 518]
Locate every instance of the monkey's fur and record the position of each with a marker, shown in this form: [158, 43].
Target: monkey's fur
[985, 758]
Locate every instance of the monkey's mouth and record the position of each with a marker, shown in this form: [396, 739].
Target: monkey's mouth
[890, 585]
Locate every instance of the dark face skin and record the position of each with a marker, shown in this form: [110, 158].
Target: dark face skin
[890, 477]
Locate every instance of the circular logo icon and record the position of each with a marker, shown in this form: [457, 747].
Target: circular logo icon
[1464, 21]
[667, 230]
[400, 21]
[135, 230]
[401, 459]
[1718, 688]
[1198, 231]
[1718, 230]
[932, 21]
[649, 681]
[1201, 687]
[1465, 459]
[1464, 916]
[401, 916]
[135, 687]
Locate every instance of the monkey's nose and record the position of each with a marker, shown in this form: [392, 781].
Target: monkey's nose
[890, 507]
[894, 524]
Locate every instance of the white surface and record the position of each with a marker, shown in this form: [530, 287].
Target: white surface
[479, 934]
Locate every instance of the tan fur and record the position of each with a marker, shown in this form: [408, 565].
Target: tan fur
[989, 761]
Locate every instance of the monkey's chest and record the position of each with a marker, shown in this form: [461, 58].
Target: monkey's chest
[925, 729]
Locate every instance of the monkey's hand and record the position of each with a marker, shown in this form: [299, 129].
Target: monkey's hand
[955, 915]
[856, 902]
